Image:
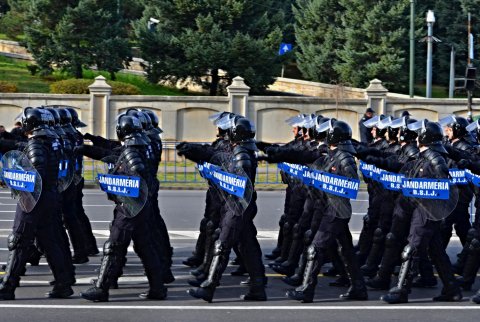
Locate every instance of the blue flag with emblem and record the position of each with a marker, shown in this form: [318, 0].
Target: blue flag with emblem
[370, 171]
[391, 181]
[426, 188]
[231, 183]
[119, 185]
[19, 179]
[473, 178]
[457, 176]
[336, 185]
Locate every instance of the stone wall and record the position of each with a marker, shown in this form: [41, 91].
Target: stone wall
[14, 49]
[185, 118]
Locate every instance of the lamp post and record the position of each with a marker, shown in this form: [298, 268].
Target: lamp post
[430, 22]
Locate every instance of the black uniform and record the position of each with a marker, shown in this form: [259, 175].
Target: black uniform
[425, 235]
[43, 223]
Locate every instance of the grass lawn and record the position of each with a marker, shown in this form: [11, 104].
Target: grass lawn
[15, 71]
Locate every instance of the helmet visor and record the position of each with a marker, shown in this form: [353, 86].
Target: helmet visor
[473, 126]
[296, 121]
[373, 122]
[447, 120]
[325, 126]
[215, 116]
[226, 122]
[417, 125]
[398, 123]
[383, 124]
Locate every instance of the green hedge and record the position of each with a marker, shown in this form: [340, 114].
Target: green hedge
[80, 86]
[7, 87]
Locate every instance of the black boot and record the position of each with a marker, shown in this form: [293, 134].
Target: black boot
[342, 281]
[374, 258]
[357, 290]
[459, 265]
[157, 290]
[256, 291]
[390, 257]
[451, 291]
[472, 264]
[240, 271]
[17, 258]
[219, 262]
[365, 240]
[476, 298]
[286, 244]
[427, 277]
[408, 270]
[112, 256]
[277, 250]
[248, 281]
[34, 257]
[306, 292]
[60, 291]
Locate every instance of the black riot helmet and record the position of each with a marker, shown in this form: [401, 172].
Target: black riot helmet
[216, 118]
[128, 126]
[153, 118]
[337, 131]
[55, 115]
[35, 119]
[51, 118]
[65, 116]
[313, 130]
[429, 133]
[243, 130]
[142, 117]
[75, 120]
[401, 124]
[457, 124]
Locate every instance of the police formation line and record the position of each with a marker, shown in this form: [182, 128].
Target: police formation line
[420, 183]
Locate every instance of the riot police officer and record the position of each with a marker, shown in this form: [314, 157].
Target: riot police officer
[126, 227]
[334, 223]
[43, 221]
[425, 233]
[236, 226]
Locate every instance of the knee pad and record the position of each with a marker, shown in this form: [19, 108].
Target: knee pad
[210, 227]
[203, 224]
[281, 222]
[311, 253]
[471, 234]
[308, 237]
[407, 253]
[296, 231]
[378, 235]
[474, 246]
[391, 240]
[216, 233]
[287, 228]
[366, 220]
[219, 248]
[13, 241]
[110, 248]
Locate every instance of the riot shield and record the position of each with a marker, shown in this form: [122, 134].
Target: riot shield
[66, 172]
[338, 191]
[234, 186]
[124, 186]
[22, 179]
[436, 198]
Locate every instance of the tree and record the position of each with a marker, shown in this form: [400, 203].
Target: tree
[317, 26]
[80, 34]
[195, 39]
[375, 37]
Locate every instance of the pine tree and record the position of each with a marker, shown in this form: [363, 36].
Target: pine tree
[317, 31]
[195, 39]
[375, 38]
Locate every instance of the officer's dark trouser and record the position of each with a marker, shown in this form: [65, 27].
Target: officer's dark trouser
[72, 223]
[240, 230]
[425, 239]
[138, 229]
[395, 241]
[299, 229]
[334, 230]
[45, 224]
[370, 221]
[163, 239]
[460, 219]
[83, 218]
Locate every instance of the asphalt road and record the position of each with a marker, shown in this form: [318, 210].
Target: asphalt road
[182, 211]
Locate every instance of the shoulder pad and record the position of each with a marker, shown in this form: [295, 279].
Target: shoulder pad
[463, 145]
[134, 159]
[411, 150]
[434, 157]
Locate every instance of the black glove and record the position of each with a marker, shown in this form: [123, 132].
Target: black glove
[88, 136]
[262, 145]
[79, 150]
[464, 164]
[369, 159]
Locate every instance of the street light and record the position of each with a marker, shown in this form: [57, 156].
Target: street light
[430, 22]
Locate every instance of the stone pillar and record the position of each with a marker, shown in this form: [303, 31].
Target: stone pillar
[99, 116]
[238, 95]
[377, 96]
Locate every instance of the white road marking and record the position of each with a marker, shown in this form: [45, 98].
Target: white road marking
[385, 307]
